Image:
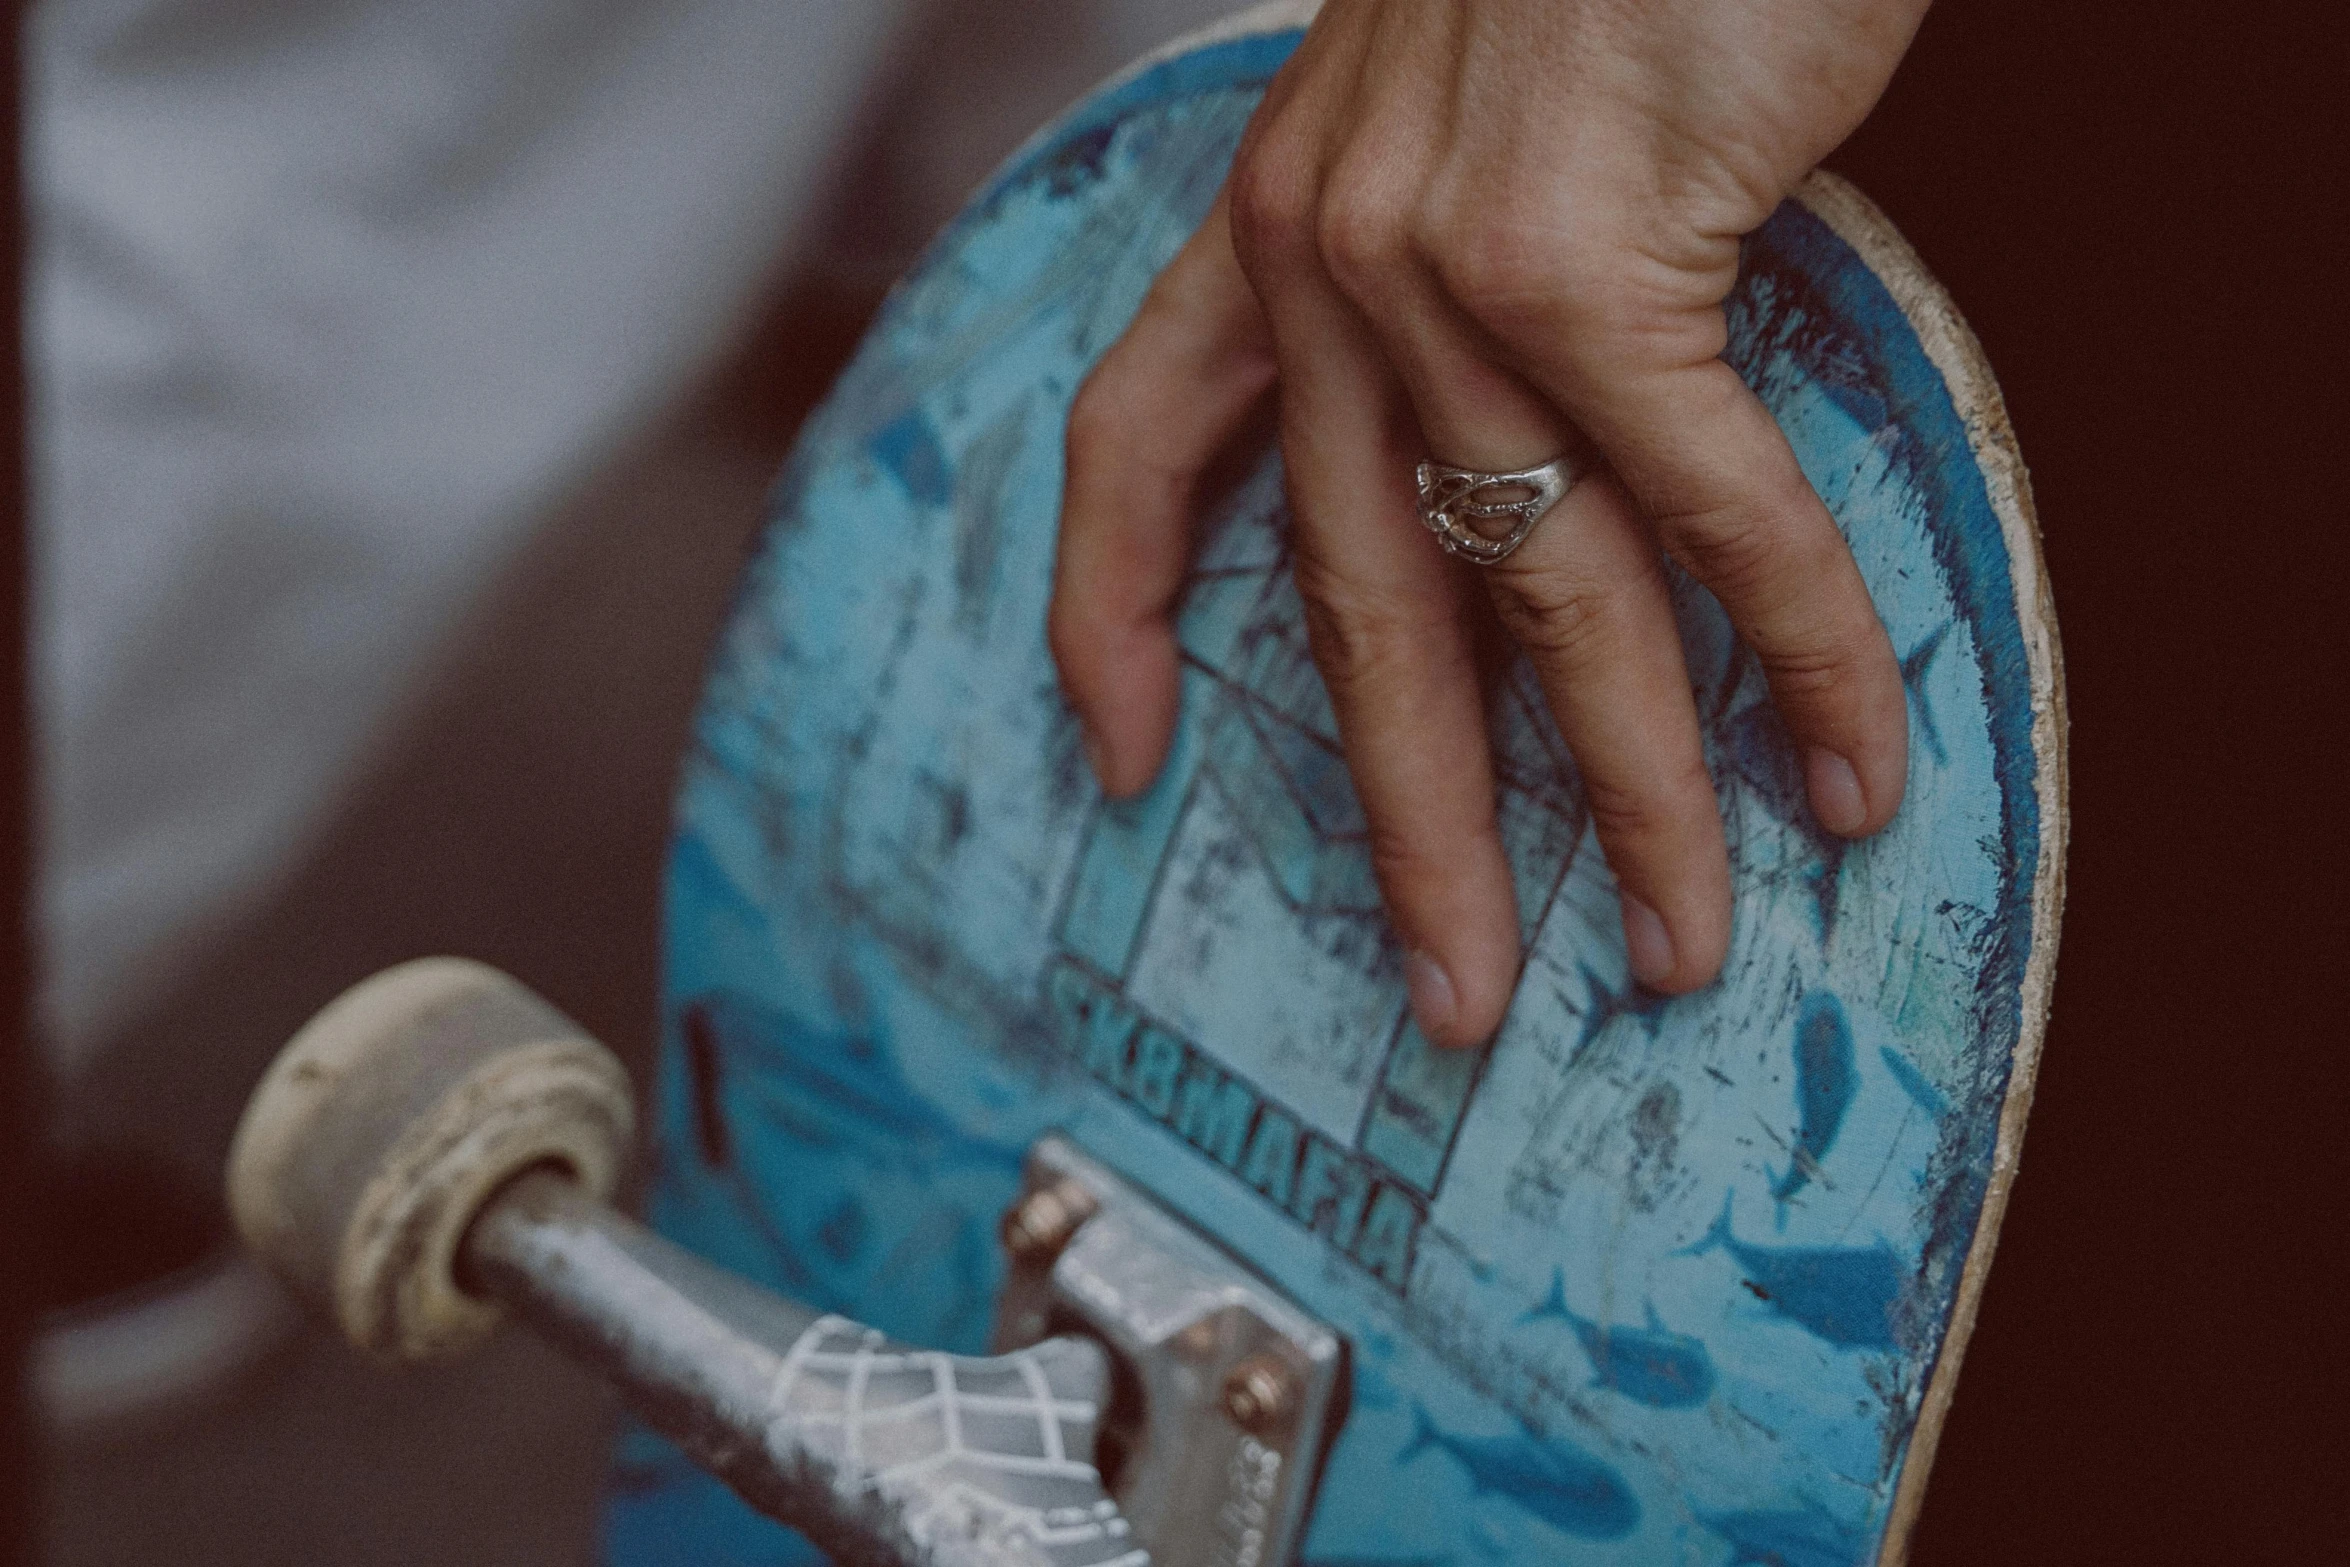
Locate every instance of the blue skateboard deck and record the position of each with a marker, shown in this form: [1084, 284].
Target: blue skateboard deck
[1644, 1281]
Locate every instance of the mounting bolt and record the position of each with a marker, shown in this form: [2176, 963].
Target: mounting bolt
[1040, 1225]
[1198, 1341]
[1259, 1392]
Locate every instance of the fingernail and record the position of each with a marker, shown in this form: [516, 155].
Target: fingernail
[1433, 1004]
[1835, 791]
[1646, 942]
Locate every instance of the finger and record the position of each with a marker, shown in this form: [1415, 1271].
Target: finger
[1715, 477]
[1143, 430]
[1389, 621]
[1731, 504]
[1586, 599]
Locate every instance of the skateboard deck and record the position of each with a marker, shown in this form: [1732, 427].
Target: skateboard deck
[1645, 1280]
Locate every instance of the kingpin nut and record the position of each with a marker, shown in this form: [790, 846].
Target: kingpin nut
[1041, 1223]
[1259, 1393]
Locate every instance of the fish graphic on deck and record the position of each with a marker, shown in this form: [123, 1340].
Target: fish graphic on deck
[1913, 1083]
[1790, 1538]
[908, 446]
[829, 1089]
[1843, 1294]
[1651, 1365]
[1914, 666]
[1824, 1086]
[1548, 1477]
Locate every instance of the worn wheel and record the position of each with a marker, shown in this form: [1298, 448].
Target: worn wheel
[386, 1123]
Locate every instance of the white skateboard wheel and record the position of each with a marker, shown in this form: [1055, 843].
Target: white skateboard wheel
[387, 1122]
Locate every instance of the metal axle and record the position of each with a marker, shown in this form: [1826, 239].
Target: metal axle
[879, 1452]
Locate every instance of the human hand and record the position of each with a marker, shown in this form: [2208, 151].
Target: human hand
[1488, 231]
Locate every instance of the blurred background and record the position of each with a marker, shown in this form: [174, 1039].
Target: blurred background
[406, 381]
[406, 384]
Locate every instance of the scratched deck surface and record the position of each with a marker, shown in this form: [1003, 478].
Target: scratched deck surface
[1647, 1281]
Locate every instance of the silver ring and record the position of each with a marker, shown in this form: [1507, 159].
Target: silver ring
[1449, 504]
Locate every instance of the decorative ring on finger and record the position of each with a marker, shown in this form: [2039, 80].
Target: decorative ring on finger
[1454, 500]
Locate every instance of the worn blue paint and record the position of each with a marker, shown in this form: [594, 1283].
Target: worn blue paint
[665, 1512]
[1789, 1537]
[829, 1088]
[888, 847]
[1824, 1086]
[1843, 1294]
[1546, 1476]
[1652, 1365]
[1971, 551]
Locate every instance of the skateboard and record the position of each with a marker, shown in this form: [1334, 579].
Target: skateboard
[1097, 1134]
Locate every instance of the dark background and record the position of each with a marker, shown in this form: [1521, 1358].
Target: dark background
[17, 1102]
[2134, 208]
[2137, 210]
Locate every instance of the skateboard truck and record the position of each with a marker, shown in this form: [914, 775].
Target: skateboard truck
[1236, 1391]
[435, 1150]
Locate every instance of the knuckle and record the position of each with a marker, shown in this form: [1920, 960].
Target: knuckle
[1118, 444]
[1098, 415]
[1733, 550]
[1561, 621]
[1363, 238]
[1811, 672]
[1091, 640]
[1525, 274]
[1361, 635]
[1076, 625]
[1403, 860]
[1071, 637]
[1112, 456]
[1643, 815]
[1833, 674]
[1272, 207]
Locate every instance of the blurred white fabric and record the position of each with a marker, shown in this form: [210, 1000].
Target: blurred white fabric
[332, 301]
